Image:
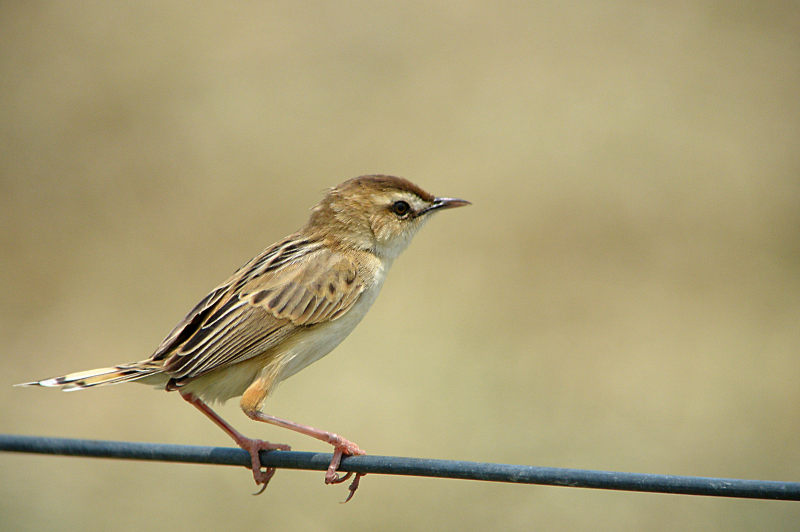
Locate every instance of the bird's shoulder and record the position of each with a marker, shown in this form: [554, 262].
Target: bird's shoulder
[318, 285]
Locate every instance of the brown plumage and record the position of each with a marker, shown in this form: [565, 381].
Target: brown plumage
[284, 309]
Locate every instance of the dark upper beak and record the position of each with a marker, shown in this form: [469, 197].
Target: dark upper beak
[445, 203]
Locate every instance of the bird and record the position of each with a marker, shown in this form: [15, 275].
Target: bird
[284, 309]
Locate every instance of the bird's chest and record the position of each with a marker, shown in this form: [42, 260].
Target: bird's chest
[316, 342]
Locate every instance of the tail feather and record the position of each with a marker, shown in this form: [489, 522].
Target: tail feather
[98, 377]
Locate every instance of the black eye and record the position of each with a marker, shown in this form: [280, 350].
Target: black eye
[401, 208]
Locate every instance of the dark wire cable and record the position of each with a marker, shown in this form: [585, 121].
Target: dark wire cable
[394, 465]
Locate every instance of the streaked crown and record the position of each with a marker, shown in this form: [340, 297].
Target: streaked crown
[379, 213]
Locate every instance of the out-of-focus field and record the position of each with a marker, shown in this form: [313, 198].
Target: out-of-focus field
[624, 294]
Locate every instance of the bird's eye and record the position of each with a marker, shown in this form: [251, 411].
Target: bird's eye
[401, 208]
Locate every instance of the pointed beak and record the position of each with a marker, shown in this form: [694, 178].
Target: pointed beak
[446, 203]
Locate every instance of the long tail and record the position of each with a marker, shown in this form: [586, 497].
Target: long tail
[99, 377]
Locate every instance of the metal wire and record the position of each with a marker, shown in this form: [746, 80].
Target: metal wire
[393, 465]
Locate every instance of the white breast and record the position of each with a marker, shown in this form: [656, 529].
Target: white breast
[320, 340]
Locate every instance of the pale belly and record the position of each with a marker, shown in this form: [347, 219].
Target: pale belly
[318, 341]
[296, 353]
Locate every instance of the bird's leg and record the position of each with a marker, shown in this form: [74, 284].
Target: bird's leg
[251, 402]
[261, 475]
[341, 447]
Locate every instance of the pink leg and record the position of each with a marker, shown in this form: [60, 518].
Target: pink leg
[261, 475]
[341, 447]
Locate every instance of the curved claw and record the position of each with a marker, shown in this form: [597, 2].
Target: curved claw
[337, 479]
[353, 485]
[261, 475]
[331, 475]
[259, 492]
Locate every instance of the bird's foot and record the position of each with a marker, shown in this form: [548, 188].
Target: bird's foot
[261, 475]
[342, 447]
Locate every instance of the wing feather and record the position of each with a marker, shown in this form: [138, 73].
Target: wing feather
[317, 290]
[294, 284]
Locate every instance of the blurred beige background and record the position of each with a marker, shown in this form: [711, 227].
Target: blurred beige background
[624, 294]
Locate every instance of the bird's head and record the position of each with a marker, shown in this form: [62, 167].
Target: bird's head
[376, 212]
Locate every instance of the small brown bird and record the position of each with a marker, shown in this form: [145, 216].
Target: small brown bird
[287, 307]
